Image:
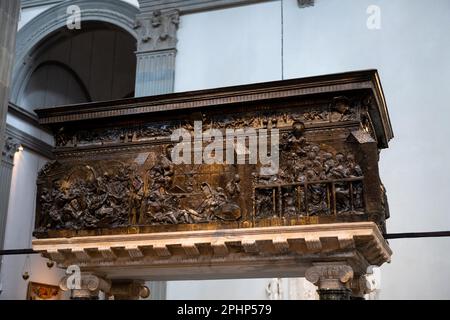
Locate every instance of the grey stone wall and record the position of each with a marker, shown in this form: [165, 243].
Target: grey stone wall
[9, 15]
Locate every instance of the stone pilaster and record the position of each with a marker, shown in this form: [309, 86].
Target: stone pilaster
[129, 290]
[9, 17]
[157, 40]
[87, 287]
[10, 148]
[155, 74]
[332, 279]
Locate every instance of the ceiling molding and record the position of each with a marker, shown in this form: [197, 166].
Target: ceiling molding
[29, 142]
[305, 3]
[367, 80]
[25, 4]
[23, 114]
[185, 6]
[190, 6]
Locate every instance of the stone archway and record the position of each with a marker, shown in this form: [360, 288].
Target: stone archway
[29, 38]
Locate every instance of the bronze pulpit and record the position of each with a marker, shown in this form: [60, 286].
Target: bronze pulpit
[263, 180]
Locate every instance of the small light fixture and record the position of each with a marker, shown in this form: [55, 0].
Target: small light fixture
[26, 272]
[20, 149]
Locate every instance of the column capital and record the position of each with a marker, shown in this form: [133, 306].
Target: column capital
[9, 149]
[362, 285]
[86, 287]
[333, 280]
[157, 30]
[129, 290]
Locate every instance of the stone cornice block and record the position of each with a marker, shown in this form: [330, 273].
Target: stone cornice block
[228, 253]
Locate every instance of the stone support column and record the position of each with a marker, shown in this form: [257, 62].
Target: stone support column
[87, 287]
[9, 17]
[155, 74]
[129, 290]
[157, 40]
[332, 279]
[10, 148]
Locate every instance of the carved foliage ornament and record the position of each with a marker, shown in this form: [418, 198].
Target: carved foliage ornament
[330, 276]
[157, 31]
[10, 148]
[340, 109]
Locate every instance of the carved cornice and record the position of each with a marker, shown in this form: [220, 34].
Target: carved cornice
[222, 254]
[24, 115]
[231, 96]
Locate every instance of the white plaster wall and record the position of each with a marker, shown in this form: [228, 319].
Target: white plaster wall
[224, 48]
[229, 47]
[217, 290]
[19, 227]
[241, 45]
[411, 53]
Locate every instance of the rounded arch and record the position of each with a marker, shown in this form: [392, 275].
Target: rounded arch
[36, 90]
[31, 36]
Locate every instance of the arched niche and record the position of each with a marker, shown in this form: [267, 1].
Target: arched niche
[42, 90]
[49, 31]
